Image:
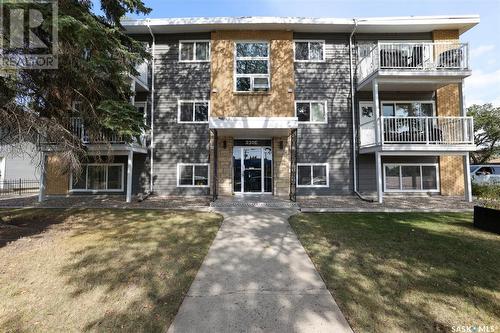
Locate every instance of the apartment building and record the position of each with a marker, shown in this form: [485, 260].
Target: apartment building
[291, 107]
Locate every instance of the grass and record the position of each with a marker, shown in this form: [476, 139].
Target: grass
[395, 272]
[98, 270]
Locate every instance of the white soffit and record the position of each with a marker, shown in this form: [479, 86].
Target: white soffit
[408, 24]
[253, 122]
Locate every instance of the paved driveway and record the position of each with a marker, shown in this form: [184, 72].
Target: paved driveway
[258, 278]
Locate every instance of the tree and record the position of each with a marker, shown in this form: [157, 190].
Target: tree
[486, 131]
[95, 58]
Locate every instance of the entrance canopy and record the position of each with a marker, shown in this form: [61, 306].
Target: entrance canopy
[254, 127]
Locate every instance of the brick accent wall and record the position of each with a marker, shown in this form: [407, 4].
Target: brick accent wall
[281, 166]
[56, 181]
[278, 102]
[451, 171]
[451, 168]
[225, 165]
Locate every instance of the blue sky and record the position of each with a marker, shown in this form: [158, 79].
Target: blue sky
[484, 39]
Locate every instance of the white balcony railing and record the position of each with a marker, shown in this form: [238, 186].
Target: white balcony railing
[418, 130]
[77, 126]
[414, 56]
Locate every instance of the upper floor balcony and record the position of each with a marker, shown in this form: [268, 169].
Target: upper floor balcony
[105, 140]
[413, 66]
[142, 80]
[417, 134]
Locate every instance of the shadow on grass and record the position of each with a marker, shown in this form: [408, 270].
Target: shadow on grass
[144, 263]
[19, 223]
[409, 272]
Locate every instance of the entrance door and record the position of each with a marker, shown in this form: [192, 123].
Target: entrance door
[252, 170]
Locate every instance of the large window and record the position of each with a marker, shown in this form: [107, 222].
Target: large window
[194, 50]
[193, 111]
[312, 175]
[411, 178]
[408, 109]
[98, 177]
[192, 175]
[310, 50]
[311, 111]
[252, 66]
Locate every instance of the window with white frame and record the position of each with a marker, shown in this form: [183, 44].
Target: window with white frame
[192, 175]
[252, 66]
[311, 111]
[411, 177]
[98, 177]
[309, 50]
[312, 175]
[408, 108]
[193, 111]
[194, 50]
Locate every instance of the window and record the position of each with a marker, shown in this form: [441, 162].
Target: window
[193, 111]
[311, 111]
[194, 50]
[192, 175]
[408, 109]
[312, 175]
[310, 50]
[252, 66]
[411, 178]
[98, 177]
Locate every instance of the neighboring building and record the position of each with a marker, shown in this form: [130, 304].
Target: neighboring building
[19, 163]
[268, 105]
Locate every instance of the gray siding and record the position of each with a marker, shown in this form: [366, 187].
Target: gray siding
[177, 142]
[367, 179]
[327, 143]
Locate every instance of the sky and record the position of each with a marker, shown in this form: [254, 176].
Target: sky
[484, 39]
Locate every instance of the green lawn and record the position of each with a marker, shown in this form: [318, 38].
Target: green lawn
[98, 270]
[395, 272]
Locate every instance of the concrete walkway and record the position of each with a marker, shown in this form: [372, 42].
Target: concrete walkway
[258, 278]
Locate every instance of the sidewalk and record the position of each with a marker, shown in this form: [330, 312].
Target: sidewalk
[258, 278]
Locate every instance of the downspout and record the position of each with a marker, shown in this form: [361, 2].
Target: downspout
[152, 144]
[353, 111]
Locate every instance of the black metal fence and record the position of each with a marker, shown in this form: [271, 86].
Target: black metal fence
[19, 186]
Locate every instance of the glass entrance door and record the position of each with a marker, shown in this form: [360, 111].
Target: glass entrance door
[252, 169]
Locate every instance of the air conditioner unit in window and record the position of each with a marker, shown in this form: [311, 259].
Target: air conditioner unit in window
[261, 84]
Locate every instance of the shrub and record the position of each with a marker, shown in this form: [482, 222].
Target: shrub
[488, 195]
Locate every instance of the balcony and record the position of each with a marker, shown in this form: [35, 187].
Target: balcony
[141, 81]
[104, 139]
[417, 134]
[413, 66]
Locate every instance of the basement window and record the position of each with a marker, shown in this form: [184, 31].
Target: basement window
[98, 177]
[411, 178]
[312, 175]
[192, 175]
